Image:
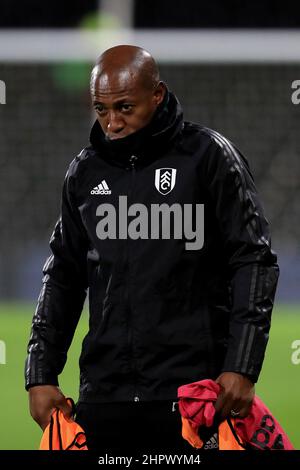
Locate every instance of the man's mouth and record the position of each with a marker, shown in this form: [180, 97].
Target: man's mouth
[115, 136]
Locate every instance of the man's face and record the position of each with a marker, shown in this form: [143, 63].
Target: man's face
[122, 103]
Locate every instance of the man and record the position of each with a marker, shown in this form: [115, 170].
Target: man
[161, 220]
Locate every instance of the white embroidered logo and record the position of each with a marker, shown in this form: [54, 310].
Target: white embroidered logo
[102, 188]
[165, 180]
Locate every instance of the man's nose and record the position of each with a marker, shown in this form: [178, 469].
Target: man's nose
[115, 123]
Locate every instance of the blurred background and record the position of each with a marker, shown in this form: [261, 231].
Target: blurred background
[230, 63]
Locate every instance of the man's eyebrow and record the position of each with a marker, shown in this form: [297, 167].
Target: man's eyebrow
[120, 101]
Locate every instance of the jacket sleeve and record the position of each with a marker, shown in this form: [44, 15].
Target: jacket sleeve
[252, 265]
[61, 298]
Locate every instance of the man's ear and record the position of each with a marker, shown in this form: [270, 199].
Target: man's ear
[159, 93]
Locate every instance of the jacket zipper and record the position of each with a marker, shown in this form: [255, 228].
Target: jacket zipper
[136, 398]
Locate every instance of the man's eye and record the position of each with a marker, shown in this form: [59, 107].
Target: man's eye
[126, 107]
[99, 109]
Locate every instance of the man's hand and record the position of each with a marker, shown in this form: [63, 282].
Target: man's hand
[237, 393]
[43, 399]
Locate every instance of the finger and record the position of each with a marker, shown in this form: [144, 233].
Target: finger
[219, 402]
[65, 407]
[227, 407]
[223, 405]
[44, 424]
[243, 410]
[43, 420]
[244, 406]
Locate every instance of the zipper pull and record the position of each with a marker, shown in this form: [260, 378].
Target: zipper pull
[132, 161]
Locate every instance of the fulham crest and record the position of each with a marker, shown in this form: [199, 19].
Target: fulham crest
[165, 179]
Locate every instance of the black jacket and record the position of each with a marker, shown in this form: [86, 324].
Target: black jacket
[161, 315]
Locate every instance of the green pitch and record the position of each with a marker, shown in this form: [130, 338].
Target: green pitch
[279, 384]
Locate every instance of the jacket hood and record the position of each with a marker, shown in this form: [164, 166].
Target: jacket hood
[146, 143]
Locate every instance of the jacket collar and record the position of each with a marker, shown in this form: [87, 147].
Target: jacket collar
[148, 143]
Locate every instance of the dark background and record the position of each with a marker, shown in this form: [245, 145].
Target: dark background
[158, 13]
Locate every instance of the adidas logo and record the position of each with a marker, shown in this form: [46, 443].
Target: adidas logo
[212, 443]
[102, 188]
